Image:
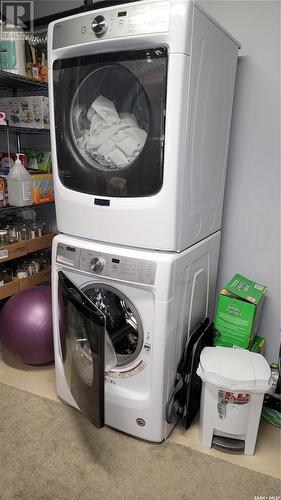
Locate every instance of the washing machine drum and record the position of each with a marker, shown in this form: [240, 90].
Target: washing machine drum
[123, 323]
[109, 124]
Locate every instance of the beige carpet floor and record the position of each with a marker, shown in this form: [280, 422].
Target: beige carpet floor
[49, 451]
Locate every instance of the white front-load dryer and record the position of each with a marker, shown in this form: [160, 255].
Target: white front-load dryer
[121, 318]
[140, 112]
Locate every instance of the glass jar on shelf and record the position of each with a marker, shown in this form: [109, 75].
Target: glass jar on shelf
[12, 231]
[17, 229]
[37, 264]
[24, 231]
[31, 267]
[43, 224]
[21, 271]
[8, 274]
[4, 240]
[34, 230]
[2, 279]
[44, 260]
[40, 229]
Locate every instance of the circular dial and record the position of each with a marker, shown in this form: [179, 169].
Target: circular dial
[97, 265]
[99, 25]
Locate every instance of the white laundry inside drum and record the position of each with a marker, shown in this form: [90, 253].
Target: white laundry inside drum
[113, 140]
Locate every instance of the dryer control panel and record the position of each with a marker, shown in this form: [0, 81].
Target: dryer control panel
[108, 265]
[113, 23]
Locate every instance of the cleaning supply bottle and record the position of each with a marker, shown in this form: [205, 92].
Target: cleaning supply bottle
[19, 185]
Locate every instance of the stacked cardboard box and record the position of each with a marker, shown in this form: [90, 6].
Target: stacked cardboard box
[238, 312]
[26, 111]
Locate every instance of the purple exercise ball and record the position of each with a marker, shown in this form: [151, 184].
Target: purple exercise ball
[26, 329]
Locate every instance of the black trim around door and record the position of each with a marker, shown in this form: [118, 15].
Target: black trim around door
[135, 83]
[82, 335]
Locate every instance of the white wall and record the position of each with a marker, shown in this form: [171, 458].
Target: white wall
[251, 222]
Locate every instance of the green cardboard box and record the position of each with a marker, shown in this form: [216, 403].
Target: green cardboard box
[238, 312]
[258, 345]
[39, 160]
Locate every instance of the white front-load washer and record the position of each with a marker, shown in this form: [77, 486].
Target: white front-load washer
[121, 317]
[140, 110]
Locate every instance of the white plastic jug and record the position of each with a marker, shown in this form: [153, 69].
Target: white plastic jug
[19, 185]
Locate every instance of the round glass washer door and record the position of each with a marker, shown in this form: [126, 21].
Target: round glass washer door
[110, 118]
[123, 322]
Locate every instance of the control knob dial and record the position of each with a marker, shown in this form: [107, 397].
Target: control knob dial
[97, 264]
[99, 25]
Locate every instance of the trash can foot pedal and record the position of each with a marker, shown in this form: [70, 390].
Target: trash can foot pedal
[229, 443]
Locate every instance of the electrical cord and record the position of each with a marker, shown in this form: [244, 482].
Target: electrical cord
[271, 416]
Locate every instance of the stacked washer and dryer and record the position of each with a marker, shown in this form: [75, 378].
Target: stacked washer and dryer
[141, 100]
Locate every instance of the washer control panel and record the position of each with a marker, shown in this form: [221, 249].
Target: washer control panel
[107, 265]
[116, 266]
[113, 23]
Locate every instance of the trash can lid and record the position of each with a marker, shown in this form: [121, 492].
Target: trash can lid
[234, 368]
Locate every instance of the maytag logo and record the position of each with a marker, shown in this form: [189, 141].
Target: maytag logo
[17, 19]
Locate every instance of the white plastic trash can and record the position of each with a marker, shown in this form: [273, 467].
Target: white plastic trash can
[234, 384]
